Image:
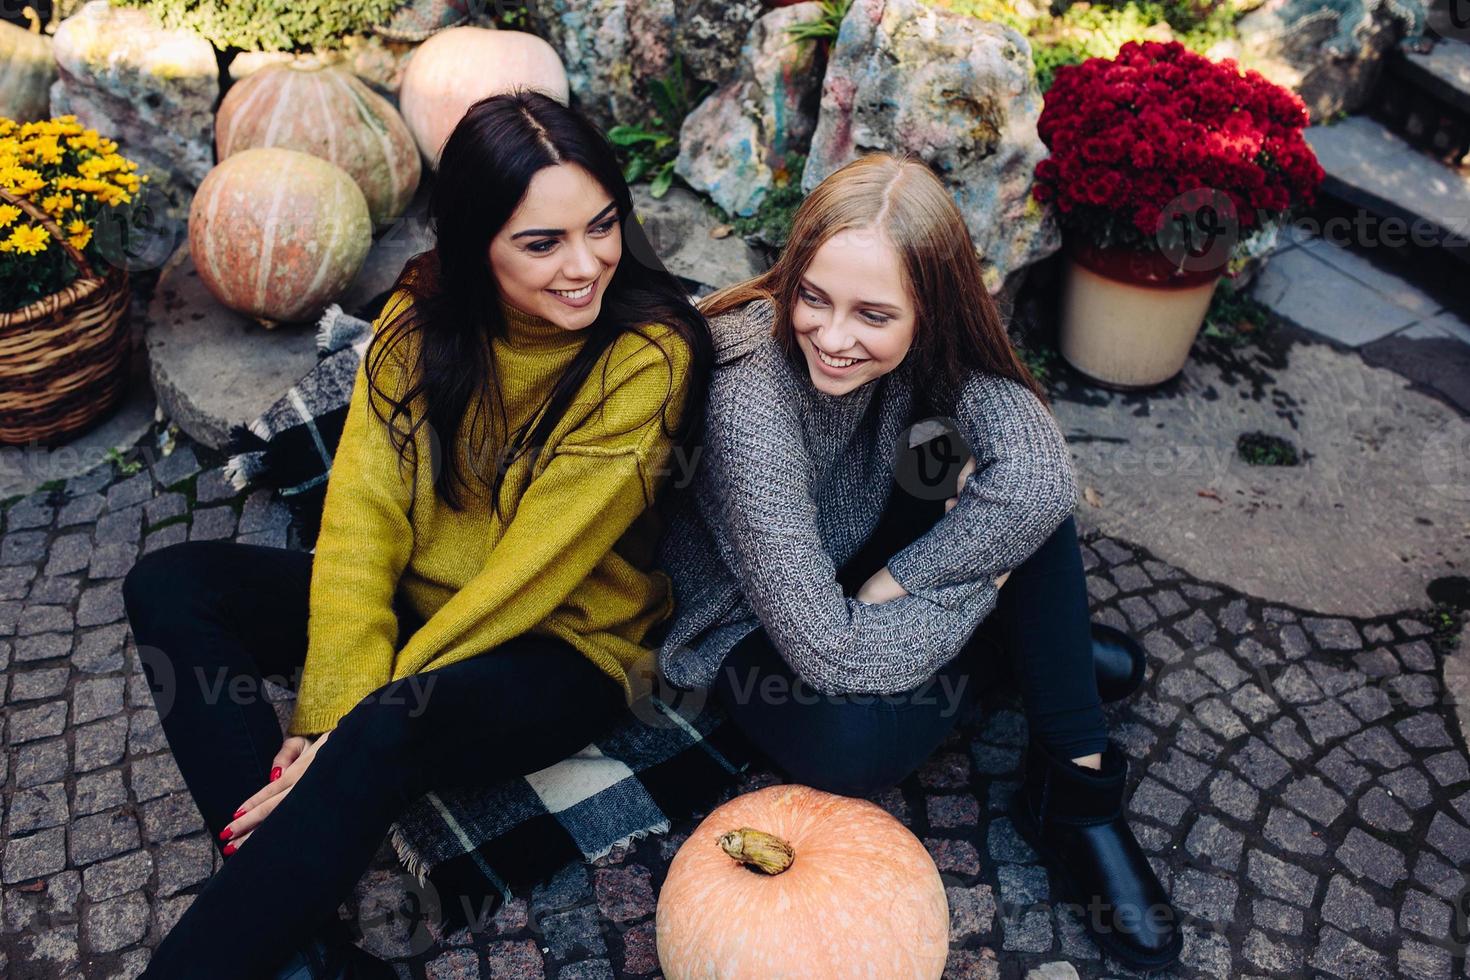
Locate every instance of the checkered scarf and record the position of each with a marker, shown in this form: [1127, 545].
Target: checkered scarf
[659, 762]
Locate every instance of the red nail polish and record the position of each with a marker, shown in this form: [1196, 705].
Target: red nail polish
[229, 849]
[275, 773]
[226, 834]
[238, 812]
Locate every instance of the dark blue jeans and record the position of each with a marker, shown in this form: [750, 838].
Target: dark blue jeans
[212, 618]
[859, 745]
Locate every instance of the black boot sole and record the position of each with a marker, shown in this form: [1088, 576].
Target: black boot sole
[1026, 826]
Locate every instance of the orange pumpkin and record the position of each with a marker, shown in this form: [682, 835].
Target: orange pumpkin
[454, 69]
[278, 234]
[792, 882]
[329, 113]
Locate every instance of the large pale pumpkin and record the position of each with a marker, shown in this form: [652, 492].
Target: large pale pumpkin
[27, 69]
[454, 69]
[791, 882]
[327, 112]
[278, 234]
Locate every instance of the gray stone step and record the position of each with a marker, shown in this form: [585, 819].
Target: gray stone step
[1370, 167]
[1443, 72]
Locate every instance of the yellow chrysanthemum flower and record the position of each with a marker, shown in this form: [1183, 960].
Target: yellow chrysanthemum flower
[58, 204]
[80, 240]
[29, 239]
[76, 227]
[8, 213]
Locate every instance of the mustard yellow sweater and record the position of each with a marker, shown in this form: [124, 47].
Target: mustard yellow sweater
[570, 557]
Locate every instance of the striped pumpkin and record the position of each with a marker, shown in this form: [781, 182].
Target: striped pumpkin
[27, 69]
[278, 234]
[329, 113]
[454, 69]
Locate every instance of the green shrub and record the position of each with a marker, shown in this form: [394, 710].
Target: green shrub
[1098, 30]
[270, 25]
[649, 152]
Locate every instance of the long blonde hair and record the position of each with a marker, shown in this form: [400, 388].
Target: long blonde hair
[958, 327]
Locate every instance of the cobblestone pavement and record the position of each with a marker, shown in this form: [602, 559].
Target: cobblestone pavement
[1298, 781]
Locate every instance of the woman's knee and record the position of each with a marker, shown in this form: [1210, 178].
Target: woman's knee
[383, 731]
[165, 579]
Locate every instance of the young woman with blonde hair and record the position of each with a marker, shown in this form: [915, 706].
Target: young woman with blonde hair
[837, 609]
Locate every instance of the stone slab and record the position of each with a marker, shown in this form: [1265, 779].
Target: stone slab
[1443, 324]
[1397, 290]
[24, 468]
[678, 227]
[1379, 507]
[1370, 167]
[1443, 72]
[213, 368]
[1316, 295]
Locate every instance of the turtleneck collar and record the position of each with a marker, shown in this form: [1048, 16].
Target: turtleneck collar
[536, 333]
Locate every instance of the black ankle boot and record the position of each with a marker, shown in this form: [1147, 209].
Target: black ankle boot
[1073, 817]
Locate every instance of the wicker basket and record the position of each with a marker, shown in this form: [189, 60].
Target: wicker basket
[64, 358]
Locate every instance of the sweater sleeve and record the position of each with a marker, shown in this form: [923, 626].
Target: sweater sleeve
[756, 492]
[599, 479]
[361, 552]
[1022, 488]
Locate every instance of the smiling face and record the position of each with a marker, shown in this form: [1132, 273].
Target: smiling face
[558, 251]
[853, 318]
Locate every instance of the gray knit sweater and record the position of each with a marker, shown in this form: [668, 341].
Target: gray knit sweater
[793, 481]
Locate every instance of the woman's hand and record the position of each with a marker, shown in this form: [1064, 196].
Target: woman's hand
[949, 504]
[290, 763]
[959, 487]
[881, 586]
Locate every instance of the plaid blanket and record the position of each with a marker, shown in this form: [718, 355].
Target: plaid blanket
[658, 763]
[472, 844]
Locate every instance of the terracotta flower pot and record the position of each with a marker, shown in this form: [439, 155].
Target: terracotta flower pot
[1129, 318]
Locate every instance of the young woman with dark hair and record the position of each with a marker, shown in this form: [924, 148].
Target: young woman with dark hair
[508, 431]
[843, 616]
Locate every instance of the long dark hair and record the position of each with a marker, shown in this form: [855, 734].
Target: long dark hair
[486, 165]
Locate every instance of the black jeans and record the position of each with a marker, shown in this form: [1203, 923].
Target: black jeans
[858, 744]
[212, 618]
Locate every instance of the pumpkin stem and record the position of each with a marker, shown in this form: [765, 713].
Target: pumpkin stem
[758, 849]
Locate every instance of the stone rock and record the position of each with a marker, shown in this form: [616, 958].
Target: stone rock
[678, 227]
[711, 34]
[151, 89]
[610, 49]
[958, 93]
[1329, 52]
[733, 146]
